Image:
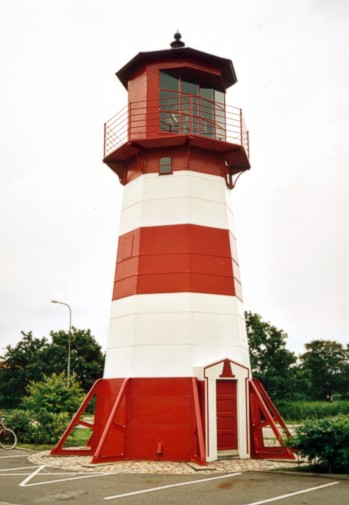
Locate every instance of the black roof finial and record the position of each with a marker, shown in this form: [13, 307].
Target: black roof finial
[177, 41]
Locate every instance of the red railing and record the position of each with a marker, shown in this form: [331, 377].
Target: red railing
[179, 114]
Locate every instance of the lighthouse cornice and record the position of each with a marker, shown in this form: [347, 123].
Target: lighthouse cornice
[135, 158]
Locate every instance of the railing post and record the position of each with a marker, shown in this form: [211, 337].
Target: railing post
[129, 122]
[241, 129]
[105, 139]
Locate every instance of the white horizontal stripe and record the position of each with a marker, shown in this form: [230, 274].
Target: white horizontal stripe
[181, 198]
[189, 329]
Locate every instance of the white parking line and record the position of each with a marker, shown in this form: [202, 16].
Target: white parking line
[281, 497]
[17, 468]
[78, 475]
[15, 456]
[151, 490]
[12, 474]
[89, 476]
[23, 483]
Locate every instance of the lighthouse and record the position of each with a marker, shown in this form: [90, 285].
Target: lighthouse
[177, 383]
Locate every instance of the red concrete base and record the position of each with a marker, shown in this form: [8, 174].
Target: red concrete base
[161, 419]
[141, 419]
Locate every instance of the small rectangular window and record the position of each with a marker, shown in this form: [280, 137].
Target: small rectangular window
[165, 166]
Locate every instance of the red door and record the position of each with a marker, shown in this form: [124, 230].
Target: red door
[226, 415]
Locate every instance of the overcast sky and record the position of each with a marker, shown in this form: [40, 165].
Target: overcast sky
[60, 205]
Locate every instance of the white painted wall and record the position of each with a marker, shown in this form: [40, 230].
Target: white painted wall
[183, 197]
[168, 334]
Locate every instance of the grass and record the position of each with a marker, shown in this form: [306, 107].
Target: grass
[34, 447]
[79, 437]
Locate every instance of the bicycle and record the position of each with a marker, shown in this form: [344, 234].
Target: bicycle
[8, 438]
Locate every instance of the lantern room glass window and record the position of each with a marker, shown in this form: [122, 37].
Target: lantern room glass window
[191, 107]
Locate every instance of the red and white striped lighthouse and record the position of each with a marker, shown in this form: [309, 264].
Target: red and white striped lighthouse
[177, 306]
[177, 372]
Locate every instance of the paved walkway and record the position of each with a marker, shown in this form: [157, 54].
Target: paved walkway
[82, 464]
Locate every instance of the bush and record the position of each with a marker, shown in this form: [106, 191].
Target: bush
[37, 428]
[324, 441]
[52, 395]
[301, 410]
[48, 427]
[20, 422]
[46, 410]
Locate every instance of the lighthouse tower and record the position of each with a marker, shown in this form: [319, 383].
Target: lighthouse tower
[177, 313]
[177, 376]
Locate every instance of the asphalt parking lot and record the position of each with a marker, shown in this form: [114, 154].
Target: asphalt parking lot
[22, 482]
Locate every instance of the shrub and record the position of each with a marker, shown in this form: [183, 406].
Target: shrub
[324, 441]
[52, 395]
[48, 427]
[20, 421]
[46, 410]
[37, 428]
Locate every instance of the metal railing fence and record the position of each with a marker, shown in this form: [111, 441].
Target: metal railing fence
[175, 114]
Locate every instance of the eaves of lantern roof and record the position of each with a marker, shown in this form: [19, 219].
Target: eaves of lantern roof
[184, 53]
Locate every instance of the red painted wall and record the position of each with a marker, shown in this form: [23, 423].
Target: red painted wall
[197, 160]
[170, 259]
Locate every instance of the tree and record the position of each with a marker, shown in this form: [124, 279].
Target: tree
[327, 364]
[22, 363]
[271, 362]
[32, 358]
[87, 359]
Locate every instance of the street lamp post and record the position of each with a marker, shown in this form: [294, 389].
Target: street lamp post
[69, 339]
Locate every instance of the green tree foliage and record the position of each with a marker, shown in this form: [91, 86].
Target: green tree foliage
[324, 441]
[22, 363]
[33, 358]
[326, 363]
[307, 409]
[87, 360]
[271, 362]
[47, 409]
[52, 395]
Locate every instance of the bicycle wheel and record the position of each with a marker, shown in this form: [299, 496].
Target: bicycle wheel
[8, 439]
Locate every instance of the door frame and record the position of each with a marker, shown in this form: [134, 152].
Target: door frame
[230, 370]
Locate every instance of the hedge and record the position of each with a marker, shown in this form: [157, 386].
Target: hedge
[301, 410]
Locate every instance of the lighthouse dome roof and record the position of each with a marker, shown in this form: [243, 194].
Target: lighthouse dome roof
[179, 53]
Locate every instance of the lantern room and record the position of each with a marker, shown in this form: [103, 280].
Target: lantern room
[176, 100]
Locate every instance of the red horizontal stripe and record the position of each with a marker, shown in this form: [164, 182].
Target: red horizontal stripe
[171, 259]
